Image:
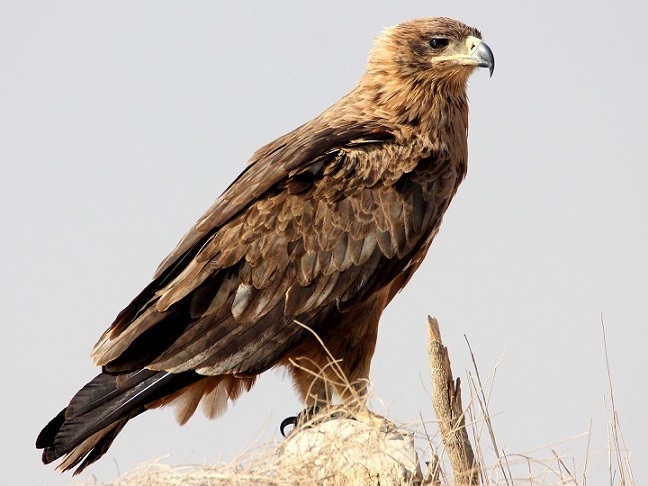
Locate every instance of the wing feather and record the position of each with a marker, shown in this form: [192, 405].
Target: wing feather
[284, 255]
[296, 152]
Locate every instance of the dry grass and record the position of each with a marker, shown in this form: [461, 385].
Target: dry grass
[274, 464]
[542, 466]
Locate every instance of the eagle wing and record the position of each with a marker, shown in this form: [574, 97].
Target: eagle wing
[308, 228]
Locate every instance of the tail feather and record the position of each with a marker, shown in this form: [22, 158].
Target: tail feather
[85, 429]
[92, 448]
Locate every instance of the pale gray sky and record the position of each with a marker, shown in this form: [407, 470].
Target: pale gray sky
[121, 122]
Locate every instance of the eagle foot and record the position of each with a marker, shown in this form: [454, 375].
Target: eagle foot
[300, 419]
[315, 415]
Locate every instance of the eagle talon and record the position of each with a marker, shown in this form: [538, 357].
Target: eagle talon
[300, 419]
[286, 422]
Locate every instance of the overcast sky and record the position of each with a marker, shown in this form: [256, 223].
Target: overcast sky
[121, 122]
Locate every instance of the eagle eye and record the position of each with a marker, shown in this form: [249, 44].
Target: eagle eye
[438, 42]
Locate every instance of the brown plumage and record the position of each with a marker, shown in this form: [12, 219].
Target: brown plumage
[323, 227]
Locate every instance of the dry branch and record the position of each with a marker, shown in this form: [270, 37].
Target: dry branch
[446, 399]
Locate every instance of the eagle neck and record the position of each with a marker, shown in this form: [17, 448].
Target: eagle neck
[432, 111]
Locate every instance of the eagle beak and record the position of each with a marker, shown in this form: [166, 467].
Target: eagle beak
[481, 53]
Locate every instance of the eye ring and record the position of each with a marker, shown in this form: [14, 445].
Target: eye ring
[438, 42]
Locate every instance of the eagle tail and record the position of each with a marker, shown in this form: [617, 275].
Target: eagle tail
[85, 429]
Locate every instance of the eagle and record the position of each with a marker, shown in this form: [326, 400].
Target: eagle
[294, 263]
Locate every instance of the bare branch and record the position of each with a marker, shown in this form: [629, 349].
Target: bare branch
[446, 399]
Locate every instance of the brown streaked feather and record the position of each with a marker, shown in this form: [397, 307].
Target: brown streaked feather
[262, 174]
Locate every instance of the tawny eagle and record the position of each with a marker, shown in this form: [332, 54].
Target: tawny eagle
[314, 238]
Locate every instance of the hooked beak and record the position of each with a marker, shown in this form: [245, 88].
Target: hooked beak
[481, 53]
